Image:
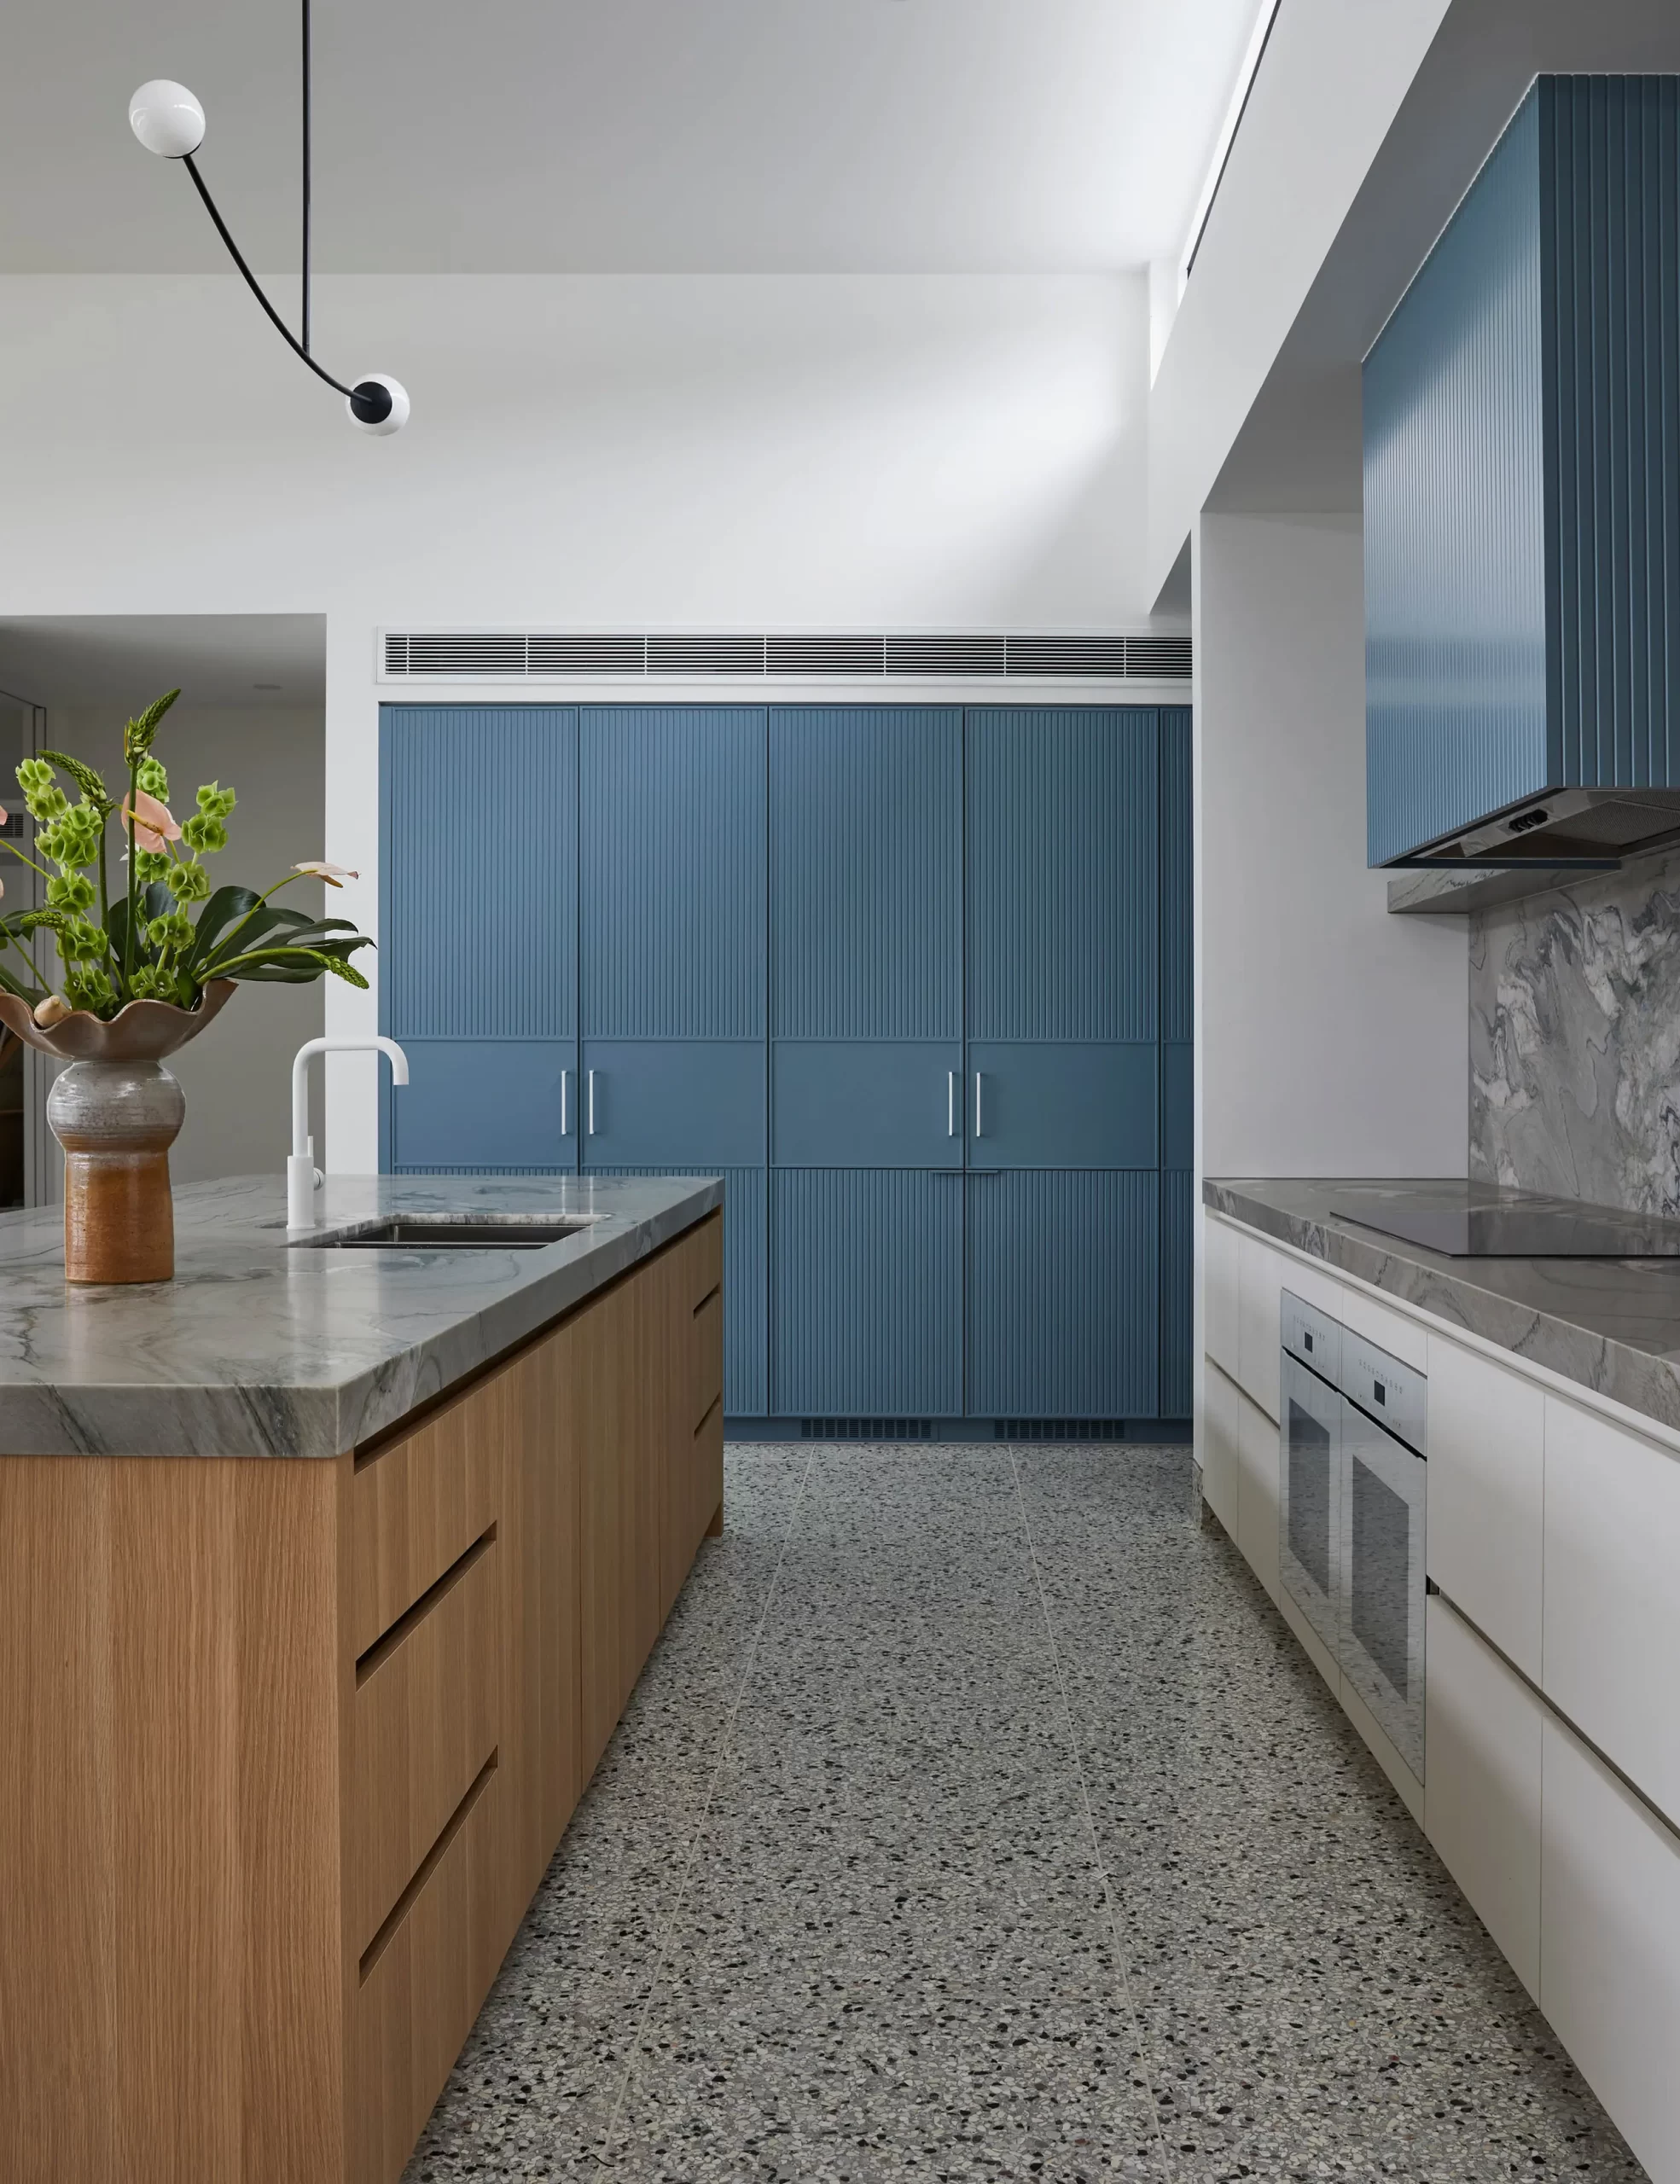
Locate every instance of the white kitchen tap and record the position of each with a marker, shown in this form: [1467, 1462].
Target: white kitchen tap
[303, 1177]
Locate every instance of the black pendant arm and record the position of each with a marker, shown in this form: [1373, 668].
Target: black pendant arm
[255, 287]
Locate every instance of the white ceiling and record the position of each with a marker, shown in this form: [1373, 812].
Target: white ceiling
[125, 660]
[623, 136]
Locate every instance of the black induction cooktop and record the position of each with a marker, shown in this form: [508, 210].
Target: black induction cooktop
[1520, 1229]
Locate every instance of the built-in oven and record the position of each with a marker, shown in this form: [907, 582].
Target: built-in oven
[1309, 1515]
[1384, 1484]
[1352, 1487]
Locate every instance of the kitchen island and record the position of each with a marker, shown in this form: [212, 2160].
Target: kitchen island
[325, 1575]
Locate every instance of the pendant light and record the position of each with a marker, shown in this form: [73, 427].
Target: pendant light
[169, 121]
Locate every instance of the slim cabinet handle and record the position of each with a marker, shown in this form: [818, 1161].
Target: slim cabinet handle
[950, 1103]
[592, 1103]
[565, 1086]
[978, 1130]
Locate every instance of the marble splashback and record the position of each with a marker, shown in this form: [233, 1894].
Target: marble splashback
[1575, 1041]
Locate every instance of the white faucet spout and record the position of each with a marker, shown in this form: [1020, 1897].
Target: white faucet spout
[301, 1178]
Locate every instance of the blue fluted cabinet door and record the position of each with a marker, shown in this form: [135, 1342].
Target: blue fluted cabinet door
[480, 808]
[1177, 1061]
[867, 1304]
[1063, 973]
[867, 1123]
[673, 972]
[1063, 1312]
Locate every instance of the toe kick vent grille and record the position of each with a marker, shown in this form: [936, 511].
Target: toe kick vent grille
[867, 1429]
[831, 655]
[1059, 1429]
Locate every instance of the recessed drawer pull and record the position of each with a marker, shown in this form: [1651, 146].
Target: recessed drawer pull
[707, 1420]
[714, 1291]
[429, 1864]
[382, 1648]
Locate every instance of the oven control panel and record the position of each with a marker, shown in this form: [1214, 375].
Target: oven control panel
[1394, 1395]
[1311, 1336]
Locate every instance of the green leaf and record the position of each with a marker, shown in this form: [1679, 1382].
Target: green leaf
[91, 785]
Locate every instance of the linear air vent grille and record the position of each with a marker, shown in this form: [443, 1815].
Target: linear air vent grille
[952, 656]
[840, 656]
[831, 655]
[1166, 656]
[1059, 1429]
[1069, 655]
[705, 655]
[562, 654]
[867, 1429]
[488, 654]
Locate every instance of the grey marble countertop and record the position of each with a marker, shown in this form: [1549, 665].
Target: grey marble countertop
[260, 1349]
[1611, 1324]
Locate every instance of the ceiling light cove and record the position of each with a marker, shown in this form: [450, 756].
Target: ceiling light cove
[169, 121]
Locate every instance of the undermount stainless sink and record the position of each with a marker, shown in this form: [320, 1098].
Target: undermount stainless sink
[407, 1232]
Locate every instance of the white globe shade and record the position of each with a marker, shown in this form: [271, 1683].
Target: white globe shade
[397, 414]
[167, 118]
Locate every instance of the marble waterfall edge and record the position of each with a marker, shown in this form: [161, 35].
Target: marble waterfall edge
[259, 1349]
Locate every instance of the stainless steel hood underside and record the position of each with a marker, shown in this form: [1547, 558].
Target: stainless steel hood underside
[1573, 826]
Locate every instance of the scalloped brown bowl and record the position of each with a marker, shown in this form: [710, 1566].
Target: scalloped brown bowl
[144, 1030]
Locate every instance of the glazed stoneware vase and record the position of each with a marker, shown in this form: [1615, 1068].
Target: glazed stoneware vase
[116, 1111]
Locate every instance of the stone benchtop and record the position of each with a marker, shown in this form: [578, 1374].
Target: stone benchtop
[1610, 1325]
[261, 1349]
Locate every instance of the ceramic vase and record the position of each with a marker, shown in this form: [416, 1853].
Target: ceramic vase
[116, 1111]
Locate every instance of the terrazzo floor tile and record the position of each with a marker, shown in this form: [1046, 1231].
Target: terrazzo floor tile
[978, 1816]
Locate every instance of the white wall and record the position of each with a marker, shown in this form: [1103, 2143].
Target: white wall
[236, 1076]
[949, 452]
[1332, 1039]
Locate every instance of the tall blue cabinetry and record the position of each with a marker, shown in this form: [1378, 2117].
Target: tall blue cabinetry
[916, 981]
[672, 963]
[866, 1020]
[1063, 1077]
[478, 926]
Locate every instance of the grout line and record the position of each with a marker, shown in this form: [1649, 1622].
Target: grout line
[1108, 1904]
[724, 1744]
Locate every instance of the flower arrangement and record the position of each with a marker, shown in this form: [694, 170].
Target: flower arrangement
[147, 944]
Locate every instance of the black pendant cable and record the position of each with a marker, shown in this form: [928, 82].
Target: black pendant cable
[169, 120]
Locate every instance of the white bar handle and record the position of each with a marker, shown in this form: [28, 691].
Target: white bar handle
[950, 1103]
[978, 1131]
[592, 1103]
[565, 1083]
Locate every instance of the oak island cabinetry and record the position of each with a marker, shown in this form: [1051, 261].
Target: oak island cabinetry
[293, 1736]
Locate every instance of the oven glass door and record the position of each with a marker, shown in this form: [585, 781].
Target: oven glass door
[1309, 1518]
[1382, 1604]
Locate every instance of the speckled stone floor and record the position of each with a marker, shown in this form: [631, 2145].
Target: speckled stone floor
[977, 1817]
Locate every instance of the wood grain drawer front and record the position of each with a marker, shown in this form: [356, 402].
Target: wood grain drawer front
[706, 1370]
[422, 1981]
[427, 1717]
[417, 1504]
[707, 1492]
[703, 1248]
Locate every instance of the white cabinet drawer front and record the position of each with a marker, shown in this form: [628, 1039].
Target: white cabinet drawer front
[1487, 1430]
[1610, 1945]
[1481, 1799]
[1389, 1330]
[1222, 1402]
[1219, 1255]
[1264, 1274]
[1612, 1621]
[1257, 1492]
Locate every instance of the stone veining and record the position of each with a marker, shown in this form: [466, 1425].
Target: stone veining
[260, 1350]
[1610, 1325]
[1575, 1041]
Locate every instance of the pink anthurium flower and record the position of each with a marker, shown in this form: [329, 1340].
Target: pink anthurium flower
[155, 823]
[333, 875]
